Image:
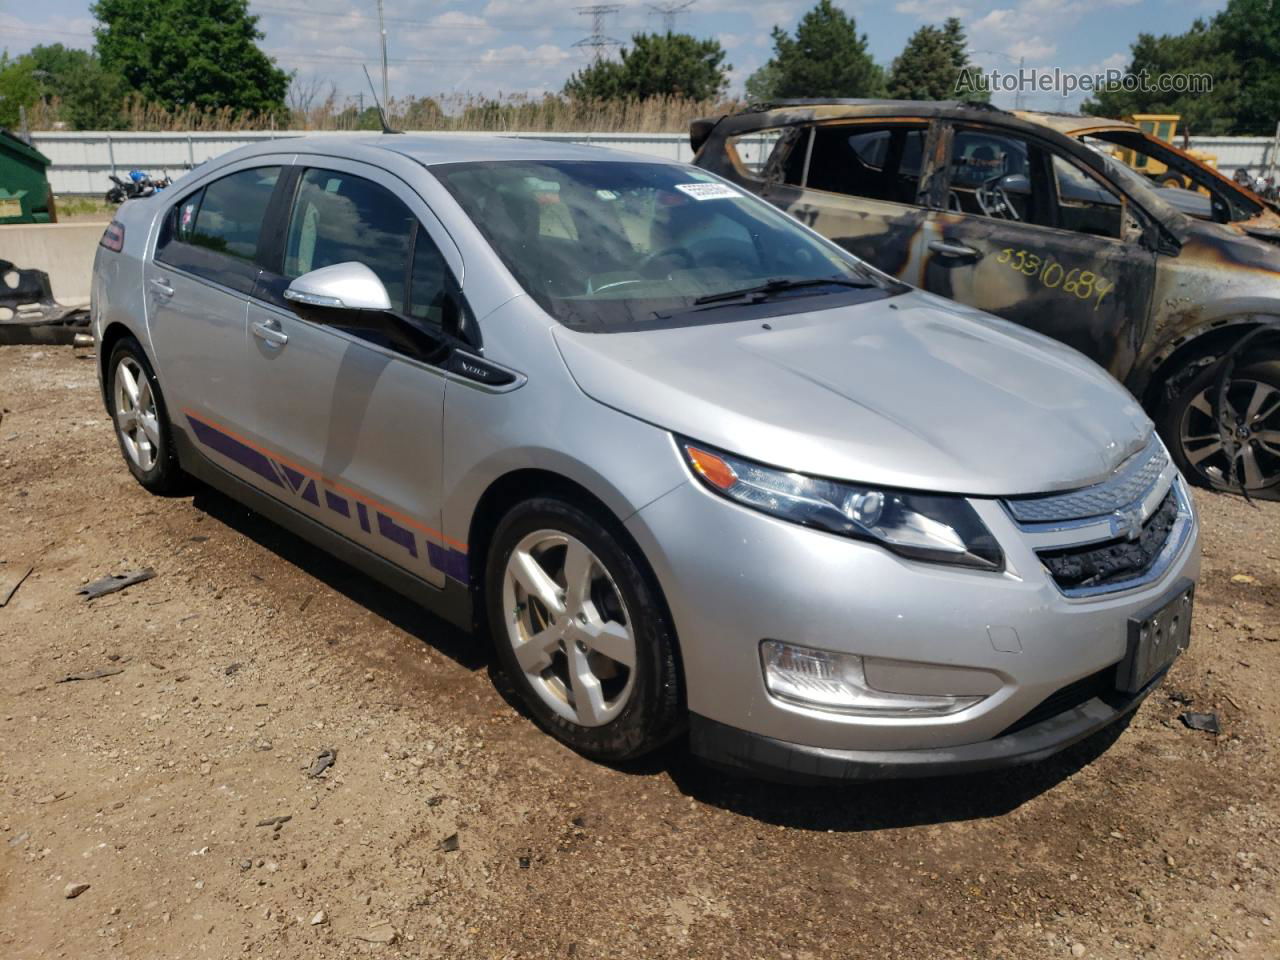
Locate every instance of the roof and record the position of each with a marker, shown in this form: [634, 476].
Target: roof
[1073, 124]
[434, 148]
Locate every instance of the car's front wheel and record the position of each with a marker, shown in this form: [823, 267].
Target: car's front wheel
[141, 419]
[581, 631]
[1253, 413]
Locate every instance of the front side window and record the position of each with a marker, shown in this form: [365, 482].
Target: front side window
[607, 245]
[339, 218]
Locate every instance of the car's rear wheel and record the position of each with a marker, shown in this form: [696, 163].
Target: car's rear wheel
[141, 419]
[581, 631]
[1253, 412]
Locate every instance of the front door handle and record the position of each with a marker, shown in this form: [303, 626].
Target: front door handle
[269, 331]
[947, 249]
[161, 286]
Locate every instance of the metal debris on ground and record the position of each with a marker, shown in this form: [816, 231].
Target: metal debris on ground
[1204, 722]
[115, 582]
[275, 821]
[34, 317]
[323, 761]
[449, 844]
[10, 585]
[91, 675]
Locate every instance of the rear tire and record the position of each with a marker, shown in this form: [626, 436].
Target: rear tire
[1189, 430]
[141, 420]
[1172, 180]
[582, 631]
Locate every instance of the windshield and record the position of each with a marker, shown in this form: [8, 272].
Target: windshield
[613, 245]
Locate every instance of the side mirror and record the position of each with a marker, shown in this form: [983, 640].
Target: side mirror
[342, 286]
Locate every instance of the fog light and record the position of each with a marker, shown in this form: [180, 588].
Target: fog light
[837, 682]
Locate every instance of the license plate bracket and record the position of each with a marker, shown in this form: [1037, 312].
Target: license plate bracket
[1156, 637]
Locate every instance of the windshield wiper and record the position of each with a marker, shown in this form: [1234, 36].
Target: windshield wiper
[780, 284]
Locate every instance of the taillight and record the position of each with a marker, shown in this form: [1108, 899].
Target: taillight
[113, 236]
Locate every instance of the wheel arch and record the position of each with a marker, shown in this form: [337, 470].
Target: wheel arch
[1191, 350]
[516, 486]
[114, 332]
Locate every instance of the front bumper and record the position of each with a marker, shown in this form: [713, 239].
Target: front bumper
[741, 752]
[734, 577]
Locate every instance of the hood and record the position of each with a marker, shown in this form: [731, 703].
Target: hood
[911, 392]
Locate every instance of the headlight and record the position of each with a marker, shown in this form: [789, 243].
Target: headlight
[940, 529]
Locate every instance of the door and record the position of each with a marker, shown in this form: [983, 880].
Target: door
[197, 291]
[1034, 237]
[857, 183]
[350, 405]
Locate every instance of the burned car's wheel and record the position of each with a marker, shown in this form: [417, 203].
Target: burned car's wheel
[581, 631]
[141, 419]
[1252, 411]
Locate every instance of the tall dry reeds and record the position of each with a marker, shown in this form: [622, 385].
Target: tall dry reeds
[460, 112]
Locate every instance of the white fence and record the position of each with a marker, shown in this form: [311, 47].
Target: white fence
[82, 160]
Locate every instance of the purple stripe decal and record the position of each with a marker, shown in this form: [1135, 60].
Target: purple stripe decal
[337, 504]
[398, 534]
[233, 449]
[452, 562]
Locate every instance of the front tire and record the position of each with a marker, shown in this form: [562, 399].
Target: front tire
[1191, 433]
[581, 630]
[141, 419]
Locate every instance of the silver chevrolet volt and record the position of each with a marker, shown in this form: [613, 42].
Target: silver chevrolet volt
[693, 469]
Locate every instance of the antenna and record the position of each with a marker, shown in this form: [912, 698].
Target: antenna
[669, 11]
[598, 41]
[382, 114]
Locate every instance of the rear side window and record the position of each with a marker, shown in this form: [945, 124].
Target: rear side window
[214, 233]
[879, 163]
[338, 218]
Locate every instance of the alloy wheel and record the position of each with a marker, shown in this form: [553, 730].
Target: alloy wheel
[137, 420]
[569, 628]
[1253, 412]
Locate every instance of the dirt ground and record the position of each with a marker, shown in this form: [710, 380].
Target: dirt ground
[450, 827]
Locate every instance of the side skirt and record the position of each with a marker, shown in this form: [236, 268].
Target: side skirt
[452, 602]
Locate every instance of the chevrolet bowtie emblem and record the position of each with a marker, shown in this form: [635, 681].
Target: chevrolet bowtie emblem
[1127, 523]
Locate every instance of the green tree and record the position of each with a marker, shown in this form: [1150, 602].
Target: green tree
[826, 58]
[89, 96]
[657, 64]
[1199, 50]
[1249, 38]
[762, 85]
[931, 63]
[19, 88]
[202, 53]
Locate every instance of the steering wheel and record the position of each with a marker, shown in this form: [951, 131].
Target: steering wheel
[679, 252]
[994, 200]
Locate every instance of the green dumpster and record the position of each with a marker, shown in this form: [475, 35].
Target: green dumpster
[24, 188]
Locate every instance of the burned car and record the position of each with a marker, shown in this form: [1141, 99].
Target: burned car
[1010, 214]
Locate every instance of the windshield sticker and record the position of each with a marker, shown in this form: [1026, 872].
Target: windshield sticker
[708, 191]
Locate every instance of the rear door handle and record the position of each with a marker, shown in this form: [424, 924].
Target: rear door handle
[161, 286]
[269, 331]
[947, 249]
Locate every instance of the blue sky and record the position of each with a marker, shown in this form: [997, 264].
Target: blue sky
[525, 46]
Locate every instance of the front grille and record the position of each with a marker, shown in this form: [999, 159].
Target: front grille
[1129, 484]
[1098, 684]
[1114, 560]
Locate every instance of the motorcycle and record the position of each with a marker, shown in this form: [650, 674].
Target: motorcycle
[138, 185]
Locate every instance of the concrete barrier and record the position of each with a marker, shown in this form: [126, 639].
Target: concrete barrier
[62, 250]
